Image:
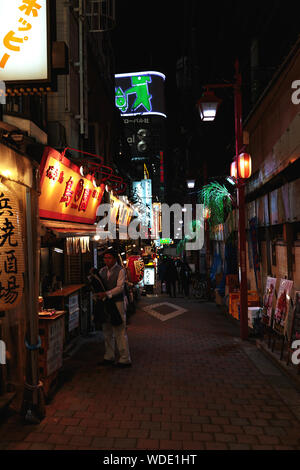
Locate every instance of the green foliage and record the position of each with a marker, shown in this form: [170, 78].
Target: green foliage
[181, 246]
[194, 227]
[218, 199]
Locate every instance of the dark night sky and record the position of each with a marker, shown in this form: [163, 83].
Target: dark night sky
[154, 34]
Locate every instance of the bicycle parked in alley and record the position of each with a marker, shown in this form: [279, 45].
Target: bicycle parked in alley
[199, 288]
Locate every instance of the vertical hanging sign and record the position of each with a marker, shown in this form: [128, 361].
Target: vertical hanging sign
[11, 251]
[23, 40]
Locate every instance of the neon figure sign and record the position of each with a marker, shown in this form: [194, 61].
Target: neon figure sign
[140, 93]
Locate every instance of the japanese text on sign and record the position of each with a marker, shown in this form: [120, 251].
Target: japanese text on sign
[11, 251]
[65, 194]
[23, 40]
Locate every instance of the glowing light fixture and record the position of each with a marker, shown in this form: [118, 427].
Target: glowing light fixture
[233, 170]
[208, 106]
[191, 184]
[244, 166]
[207, 213]
[231, 180]
[84, 170]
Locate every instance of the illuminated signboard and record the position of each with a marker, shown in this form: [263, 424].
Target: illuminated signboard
[156, 206]
[140, 93]
[166, 241]
[12, 266]
[120, 212]
[142, 194]
[149, 276]
[23, 40]
[65, 194]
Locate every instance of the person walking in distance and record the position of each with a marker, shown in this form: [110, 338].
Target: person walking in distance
[171, 278]
[162, 273]
[113, 277]
[185, 276]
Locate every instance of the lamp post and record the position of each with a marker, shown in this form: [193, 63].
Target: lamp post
[240, 181]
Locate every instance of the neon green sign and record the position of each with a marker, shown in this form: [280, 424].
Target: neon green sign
[166, 241]
[140, 93]
[140, 89]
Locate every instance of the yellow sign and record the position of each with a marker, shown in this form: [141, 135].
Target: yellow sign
[120, 212]
[23, 40]
[11, 251]
[65, 194]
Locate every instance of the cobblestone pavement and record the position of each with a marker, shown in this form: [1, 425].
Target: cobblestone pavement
[193, 385]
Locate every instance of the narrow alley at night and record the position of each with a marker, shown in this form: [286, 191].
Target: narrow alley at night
[149, 229]
[193, 385]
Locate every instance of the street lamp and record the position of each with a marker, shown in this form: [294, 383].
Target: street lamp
[191, 184]
[240, 170]
[208, 106]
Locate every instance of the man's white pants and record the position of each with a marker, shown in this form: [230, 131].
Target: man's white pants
[116, 335]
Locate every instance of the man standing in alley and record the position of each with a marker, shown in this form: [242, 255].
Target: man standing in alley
[113, 277]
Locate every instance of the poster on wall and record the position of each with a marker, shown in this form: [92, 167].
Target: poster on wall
[282, 306]
[293, 327]
[255, 249]
[268, 301]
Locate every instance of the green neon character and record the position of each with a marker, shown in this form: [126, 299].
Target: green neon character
[140, 88]
[121, 100]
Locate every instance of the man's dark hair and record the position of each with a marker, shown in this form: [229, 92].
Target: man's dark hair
[112, 253]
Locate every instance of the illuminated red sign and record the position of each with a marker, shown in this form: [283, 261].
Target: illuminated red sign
[65, 193]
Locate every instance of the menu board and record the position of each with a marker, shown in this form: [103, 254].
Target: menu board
[268, 301]
[282, 306]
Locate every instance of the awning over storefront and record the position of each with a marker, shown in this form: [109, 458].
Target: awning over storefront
[71, 229]
[66, 229]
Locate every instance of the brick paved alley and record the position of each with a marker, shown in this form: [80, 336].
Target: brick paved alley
[193, 385]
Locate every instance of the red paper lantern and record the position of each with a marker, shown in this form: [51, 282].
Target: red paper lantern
[244, 166]
[136, 269]
[233, 170]
[207, 213]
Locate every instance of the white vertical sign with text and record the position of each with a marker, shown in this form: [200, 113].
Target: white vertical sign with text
[23, 40]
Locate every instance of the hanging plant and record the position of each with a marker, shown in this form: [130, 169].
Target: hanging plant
[218, 200]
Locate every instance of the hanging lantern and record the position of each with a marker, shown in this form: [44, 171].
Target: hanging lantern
[135, 267]
[207, 213]
[208, 106]
[233, 170]
[244, 166]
